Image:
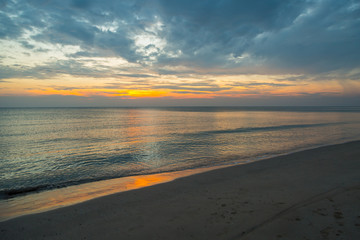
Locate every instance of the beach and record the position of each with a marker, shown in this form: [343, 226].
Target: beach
[312, 194]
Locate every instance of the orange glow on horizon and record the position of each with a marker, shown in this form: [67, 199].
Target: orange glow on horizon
[129, 93]
[148, 93]
[225, 86]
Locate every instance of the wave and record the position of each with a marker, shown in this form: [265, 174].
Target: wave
[263, 129]
[15, 192]
[263, 109]
[18, 191]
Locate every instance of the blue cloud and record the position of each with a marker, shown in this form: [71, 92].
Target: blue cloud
[288, 36]
[8, 29]
[324, 39]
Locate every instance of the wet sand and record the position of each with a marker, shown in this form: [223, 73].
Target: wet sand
[314, 194]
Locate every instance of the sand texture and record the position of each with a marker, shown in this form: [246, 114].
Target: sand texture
[314, 194]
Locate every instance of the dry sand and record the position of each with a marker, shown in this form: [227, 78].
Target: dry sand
[314, 194]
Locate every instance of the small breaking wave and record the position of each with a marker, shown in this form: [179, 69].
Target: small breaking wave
[264, 129]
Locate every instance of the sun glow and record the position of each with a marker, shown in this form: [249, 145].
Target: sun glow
[132, 88]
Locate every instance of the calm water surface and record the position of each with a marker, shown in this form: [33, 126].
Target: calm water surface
[45, 148]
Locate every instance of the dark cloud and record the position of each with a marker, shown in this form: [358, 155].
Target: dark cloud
[8, 29]
[324, 39]
[201, 83]
[25, 44]
[72, 23]
[82, 4]
[52, 69]
[263, 84]
[301, 37]
[208, 31]
[135, 75]
[188, 92]
[181, 87]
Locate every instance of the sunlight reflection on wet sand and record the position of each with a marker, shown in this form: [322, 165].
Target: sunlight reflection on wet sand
[48, 200]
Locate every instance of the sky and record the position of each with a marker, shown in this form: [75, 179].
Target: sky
[179, 53]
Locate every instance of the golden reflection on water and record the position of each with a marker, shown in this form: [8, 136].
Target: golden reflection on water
[48, 200]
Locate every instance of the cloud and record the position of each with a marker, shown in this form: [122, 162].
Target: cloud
[290, 36]
[135, 75]
[181, 87]
[323, 38]
[7, 28]
[208, 32]
[70, 67]
[183, 38]
[255, 84]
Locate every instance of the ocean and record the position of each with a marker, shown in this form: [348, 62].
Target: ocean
[50, 148]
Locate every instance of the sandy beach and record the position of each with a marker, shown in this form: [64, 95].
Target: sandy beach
[313, 194]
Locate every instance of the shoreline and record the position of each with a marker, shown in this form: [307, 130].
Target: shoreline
[249, 196]
[43, 201]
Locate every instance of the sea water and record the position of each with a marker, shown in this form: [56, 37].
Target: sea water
[46, 148]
